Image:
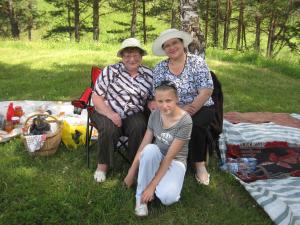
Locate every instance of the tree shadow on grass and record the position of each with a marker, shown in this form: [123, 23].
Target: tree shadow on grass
[65, 82]
[60, 82]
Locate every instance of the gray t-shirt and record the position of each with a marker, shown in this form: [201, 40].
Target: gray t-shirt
[164, 137]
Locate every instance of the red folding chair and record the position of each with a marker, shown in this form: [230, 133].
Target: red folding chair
[84, 102]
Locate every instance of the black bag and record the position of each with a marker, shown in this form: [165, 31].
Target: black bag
[216, 126]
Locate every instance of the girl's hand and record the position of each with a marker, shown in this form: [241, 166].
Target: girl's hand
[148, 194]
[129, 180]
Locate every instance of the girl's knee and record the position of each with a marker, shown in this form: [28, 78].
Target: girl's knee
[150, 150]
[168, 198]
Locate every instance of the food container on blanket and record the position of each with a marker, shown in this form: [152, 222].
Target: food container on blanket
[250, 164]
[241, 165]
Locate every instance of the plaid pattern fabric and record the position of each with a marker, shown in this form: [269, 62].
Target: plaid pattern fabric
[35, 142]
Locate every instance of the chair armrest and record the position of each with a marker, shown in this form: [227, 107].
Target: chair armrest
[83, 101]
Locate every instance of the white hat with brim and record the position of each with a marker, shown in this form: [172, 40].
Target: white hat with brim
[157, 47]
[131, 43]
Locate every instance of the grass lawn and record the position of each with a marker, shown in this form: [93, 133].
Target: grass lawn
[60, 189]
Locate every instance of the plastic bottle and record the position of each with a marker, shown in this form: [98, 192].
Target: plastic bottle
[10, 111]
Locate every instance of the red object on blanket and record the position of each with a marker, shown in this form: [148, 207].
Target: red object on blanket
[283, 119]
[10, 112]
[295, 173]
[274, 159]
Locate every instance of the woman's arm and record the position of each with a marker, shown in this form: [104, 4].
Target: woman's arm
[175, 147]
[105, 110]
[202, 97]
[129, 179]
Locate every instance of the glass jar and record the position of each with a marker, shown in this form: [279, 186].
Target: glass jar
[15, 120]
[9, 126]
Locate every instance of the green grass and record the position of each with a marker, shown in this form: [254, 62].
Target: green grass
[60, 189]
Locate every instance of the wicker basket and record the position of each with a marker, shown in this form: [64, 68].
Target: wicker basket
[52, 141]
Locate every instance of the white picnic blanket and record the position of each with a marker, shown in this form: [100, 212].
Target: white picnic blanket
[59, 109]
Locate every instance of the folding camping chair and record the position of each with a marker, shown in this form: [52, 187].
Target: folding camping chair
[84, 102]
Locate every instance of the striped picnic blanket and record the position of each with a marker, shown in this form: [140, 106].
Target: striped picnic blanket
[248, 134]
[280, 198]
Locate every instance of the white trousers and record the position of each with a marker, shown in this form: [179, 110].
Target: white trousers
[169, 188]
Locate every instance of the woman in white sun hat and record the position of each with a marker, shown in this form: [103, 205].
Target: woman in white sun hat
[193, 81]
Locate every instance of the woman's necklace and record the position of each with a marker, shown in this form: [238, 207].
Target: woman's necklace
[177, 66]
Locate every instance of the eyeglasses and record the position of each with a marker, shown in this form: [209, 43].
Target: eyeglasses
[134, 56]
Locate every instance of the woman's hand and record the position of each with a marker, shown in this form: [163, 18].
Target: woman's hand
[148, 194]
[152, 105]
[190, 109]
[115, 118]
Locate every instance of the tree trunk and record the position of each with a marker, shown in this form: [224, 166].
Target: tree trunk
[144, 22]
[190, 24]
[216, 24]
[69, 20]
[173, 15]
[30, 20]
[271, 34]
[96, 20]
[240, 24]
[15, 32]
[244, 37]
[227, 24]
[76, 20]
[133, 19]
[257, 32]
[206, 19]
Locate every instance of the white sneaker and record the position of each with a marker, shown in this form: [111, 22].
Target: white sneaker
[141, 209]
[99, 176]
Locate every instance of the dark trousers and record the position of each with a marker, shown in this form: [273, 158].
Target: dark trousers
[197, 144]
[133, 127]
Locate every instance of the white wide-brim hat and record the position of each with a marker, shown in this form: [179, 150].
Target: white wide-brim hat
[166, 35]
[131, 43]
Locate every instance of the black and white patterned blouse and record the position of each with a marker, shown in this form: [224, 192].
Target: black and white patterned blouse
[194, 77]
[124, 94]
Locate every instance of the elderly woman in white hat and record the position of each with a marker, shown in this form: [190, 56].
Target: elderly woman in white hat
[120, 96]
[192, 77]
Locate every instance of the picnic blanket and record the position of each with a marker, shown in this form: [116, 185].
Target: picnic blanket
[273, 146]
[252, 137]
[280, 198]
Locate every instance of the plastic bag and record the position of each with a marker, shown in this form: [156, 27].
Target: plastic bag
[73, 133]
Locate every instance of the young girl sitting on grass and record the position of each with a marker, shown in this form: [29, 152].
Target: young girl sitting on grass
[161, 166]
